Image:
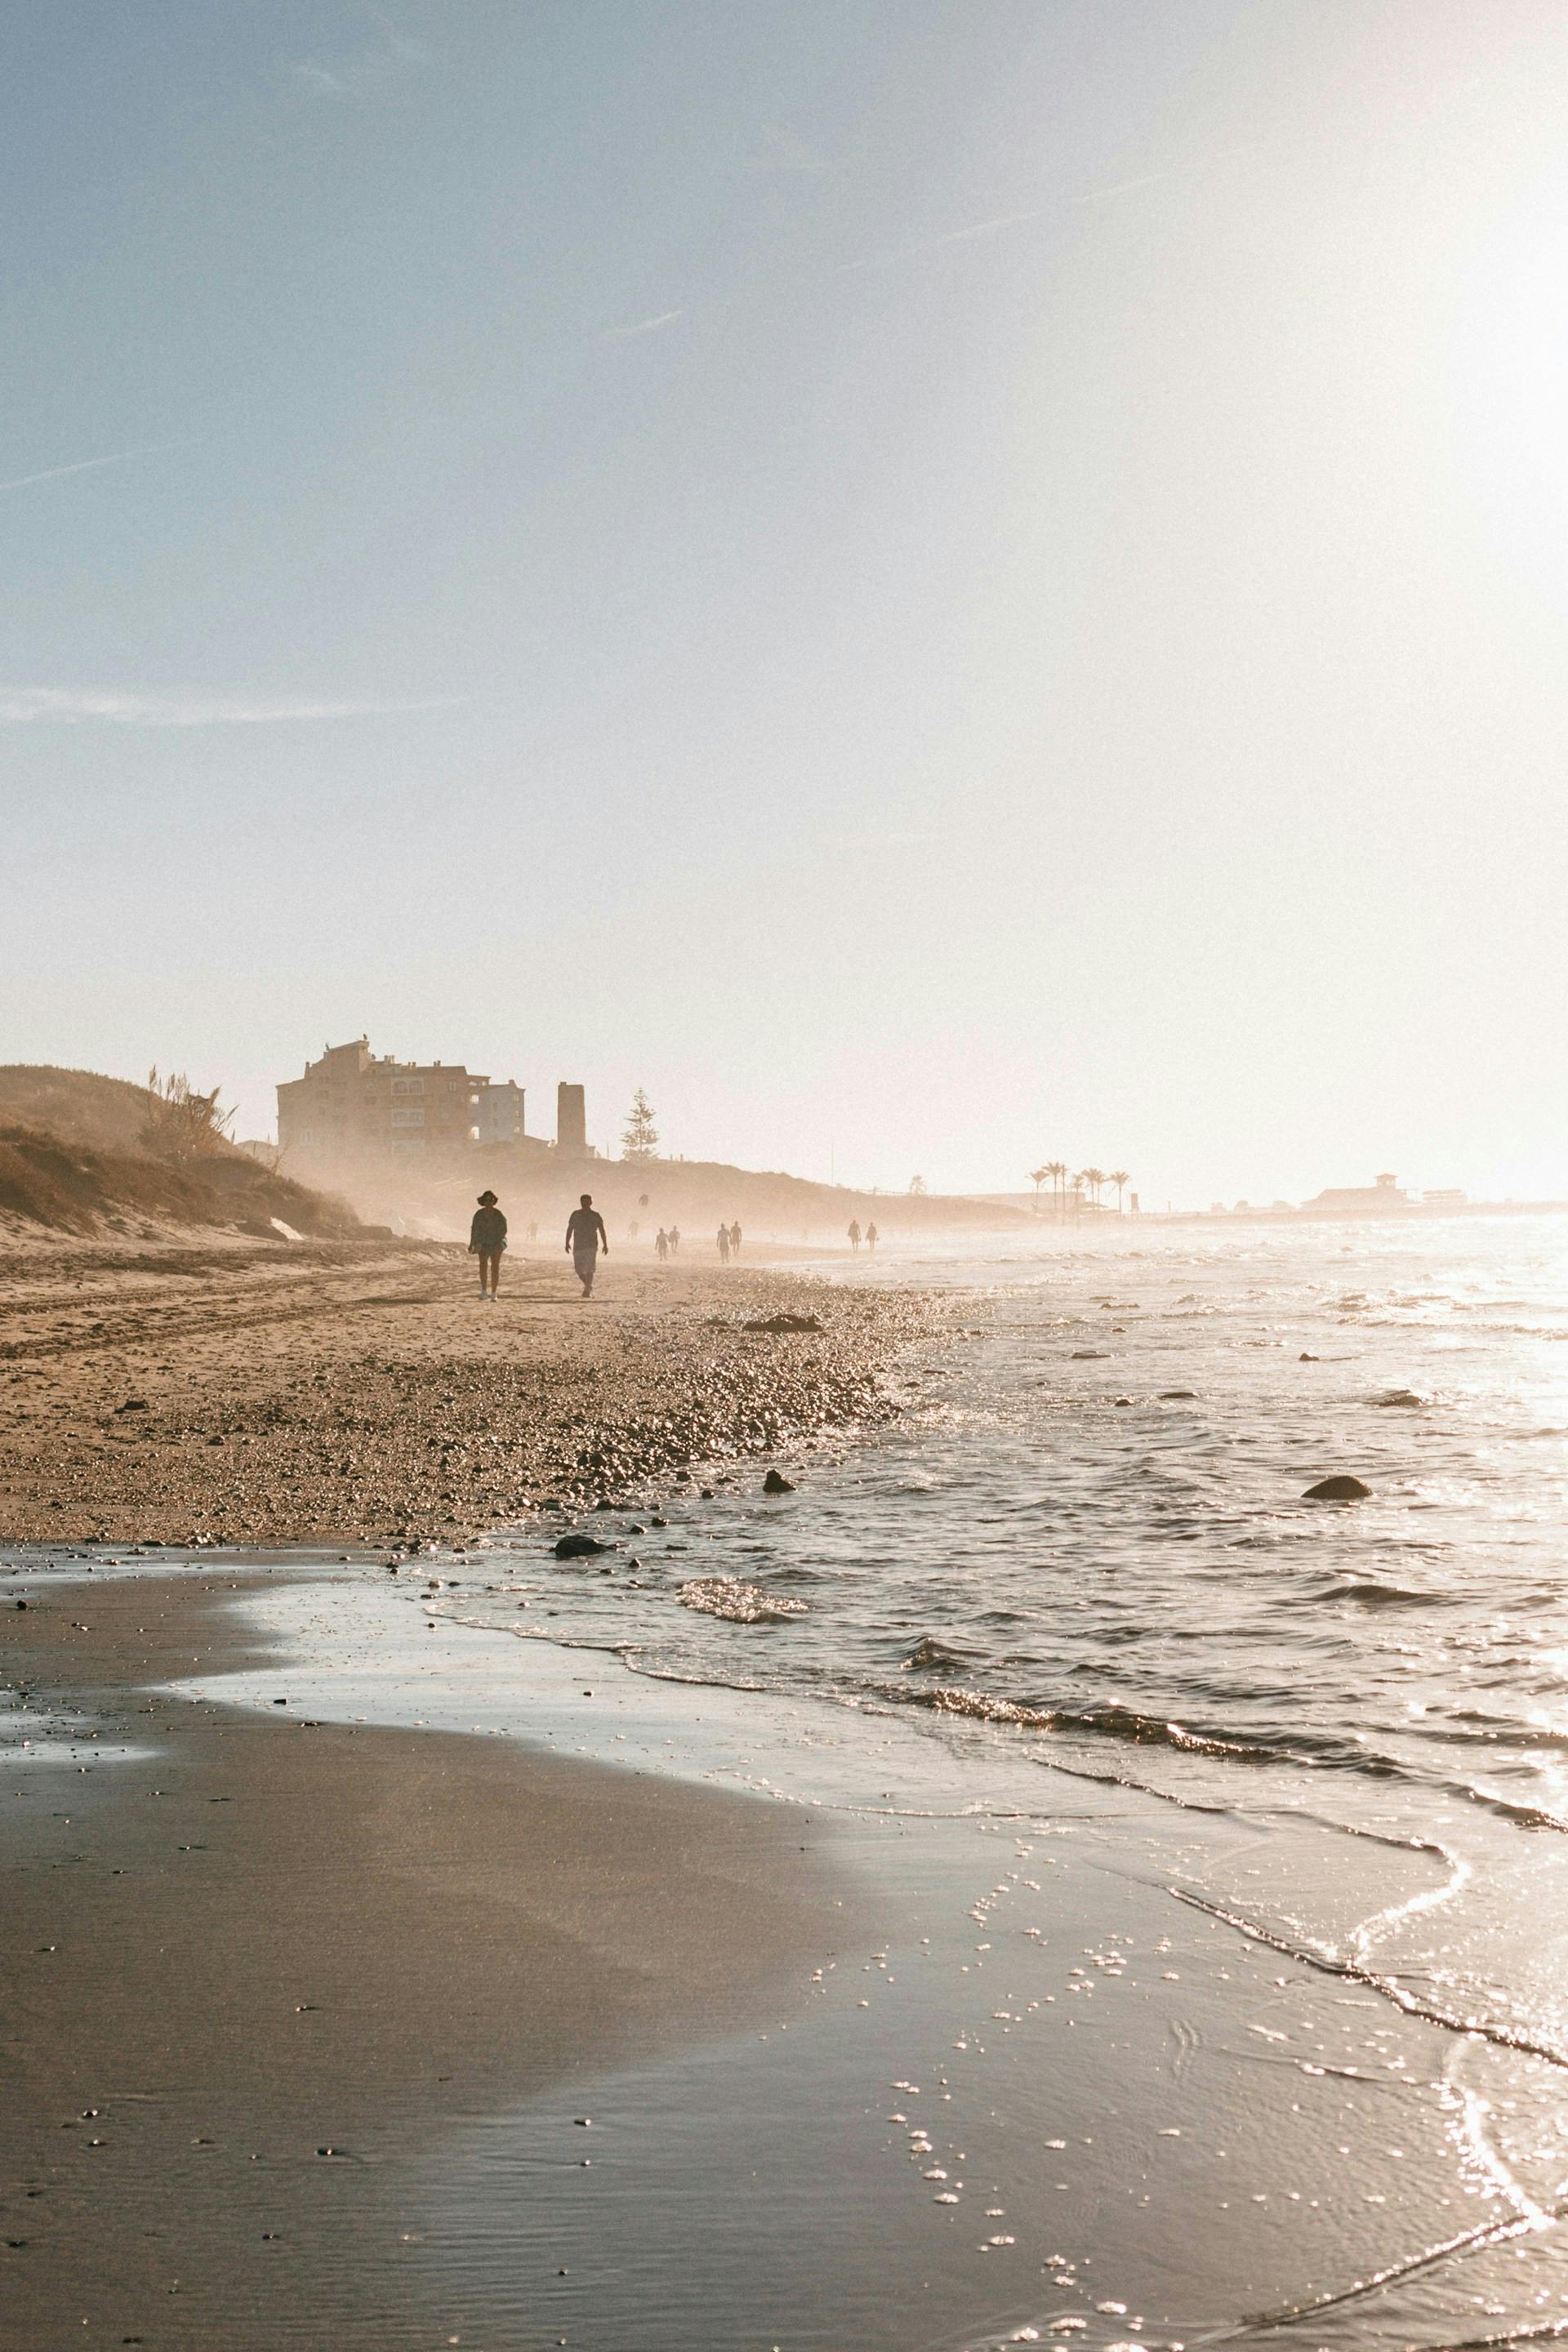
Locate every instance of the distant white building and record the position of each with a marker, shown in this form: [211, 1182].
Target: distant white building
[1360, 1199]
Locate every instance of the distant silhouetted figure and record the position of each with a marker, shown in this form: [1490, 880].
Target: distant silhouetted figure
[872, 1237]
[533, 1229]
[586, 1237]
[723, 1244]
[735, 1238]
[662, 1246]
[487, 1239]
[855, 1232]
[675, 1241]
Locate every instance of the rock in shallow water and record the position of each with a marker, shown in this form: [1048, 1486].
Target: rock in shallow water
[578, 1547]
[1342, 1488]
[776, 1483]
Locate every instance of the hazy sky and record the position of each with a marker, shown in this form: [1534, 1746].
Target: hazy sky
[948, 582]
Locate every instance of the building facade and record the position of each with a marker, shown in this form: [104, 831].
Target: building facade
[354, 1104]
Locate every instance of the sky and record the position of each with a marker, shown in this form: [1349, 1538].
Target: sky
[939, 584]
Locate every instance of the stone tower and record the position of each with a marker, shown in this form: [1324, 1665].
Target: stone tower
[571, 1120]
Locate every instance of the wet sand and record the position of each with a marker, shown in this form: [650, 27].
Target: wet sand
[960, 2064]
[260, 1971]
[222, 1390]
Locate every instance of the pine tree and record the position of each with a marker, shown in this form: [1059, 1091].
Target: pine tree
[639, 1137]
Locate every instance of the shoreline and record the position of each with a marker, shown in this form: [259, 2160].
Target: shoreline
[966, 2037]
[263, 1967]
[1132, 2059]
[360, 1395]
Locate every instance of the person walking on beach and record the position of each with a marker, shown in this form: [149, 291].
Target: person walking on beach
[723, 1244]
[586, 1237]
[735, 1238]
[662, 1246]
[854, 1233]
[675, 1241]
[871, 1237]
[487, 1239]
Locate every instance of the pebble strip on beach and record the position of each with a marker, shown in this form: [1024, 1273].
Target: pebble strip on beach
[361, 1395]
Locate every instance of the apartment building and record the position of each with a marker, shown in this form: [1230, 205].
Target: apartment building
[354, 1104]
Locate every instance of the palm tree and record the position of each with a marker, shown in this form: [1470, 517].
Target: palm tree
[1119, 1177]
[1036, 1178]
[1095, 1179]
[1057, 1169]
[1078, 1183]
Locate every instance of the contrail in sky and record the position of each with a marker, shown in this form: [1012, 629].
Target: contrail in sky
[643, 326]
[82, 466]
[977, 229]
[23, 706]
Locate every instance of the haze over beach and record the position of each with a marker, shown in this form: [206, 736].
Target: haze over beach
[783, 1179]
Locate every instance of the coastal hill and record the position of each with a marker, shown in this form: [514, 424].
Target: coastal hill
[84, 1154]
[79, 1154]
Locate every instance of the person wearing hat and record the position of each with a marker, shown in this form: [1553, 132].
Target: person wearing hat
[487, 1239]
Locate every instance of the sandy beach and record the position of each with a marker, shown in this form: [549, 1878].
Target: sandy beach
[953, 1888]
[221, 1390]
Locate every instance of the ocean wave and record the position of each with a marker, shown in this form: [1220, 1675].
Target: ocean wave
[1129, 1723]
[740, 1603]
[930, 1653]
[1367, 1590]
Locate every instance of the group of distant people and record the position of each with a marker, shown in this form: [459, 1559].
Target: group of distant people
[585, 1238]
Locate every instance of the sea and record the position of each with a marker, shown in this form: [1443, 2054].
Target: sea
[1087, 1553]
[1089, 1539]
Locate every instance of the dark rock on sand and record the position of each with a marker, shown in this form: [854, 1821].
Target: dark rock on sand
[776, 1483]
[578, 1547]
[1342, 1488]
[784, 1323]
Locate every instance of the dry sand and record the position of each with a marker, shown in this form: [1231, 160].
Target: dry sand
[257, 1974]
[238, 1393]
